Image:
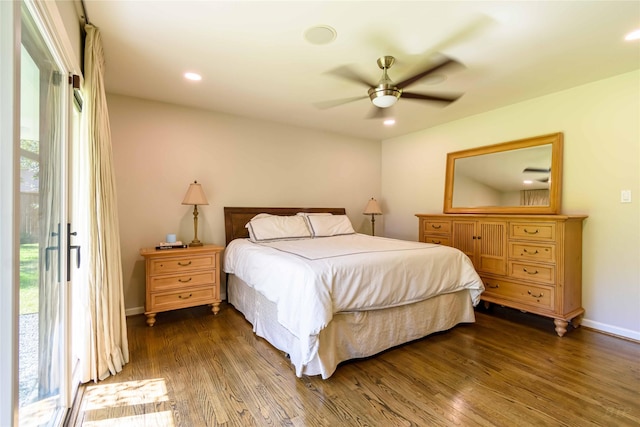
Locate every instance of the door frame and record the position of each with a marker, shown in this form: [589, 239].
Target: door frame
[53, 29]
[9, 208]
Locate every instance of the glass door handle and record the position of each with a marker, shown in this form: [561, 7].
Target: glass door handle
[71, 247]
[77, 249]
[48, 249]
[47, 257]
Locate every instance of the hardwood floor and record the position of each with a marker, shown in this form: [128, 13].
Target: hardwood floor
[507, 369]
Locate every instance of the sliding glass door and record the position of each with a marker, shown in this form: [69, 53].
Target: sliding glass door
[46, 239]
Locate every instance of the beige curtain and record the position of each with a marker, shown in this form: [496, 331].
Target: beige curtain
[106, 346]
[51, 272]
[534, 198]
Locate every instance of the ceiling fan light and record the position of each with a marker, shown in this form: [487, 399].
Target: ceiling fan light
[384, 101]
[384, 98]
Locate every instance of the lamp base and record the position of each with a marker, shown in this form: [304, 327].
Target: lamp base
[373, 225]
[195, 241]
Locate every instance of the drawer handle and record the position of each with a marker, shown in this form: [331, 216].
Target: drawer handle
[436, 242]
[184, 281]
[437, 227]
[531, 232]
[183, 264]
[187, 297]
[536, 296]
[530, 253]
[528, 272]
[490, 286]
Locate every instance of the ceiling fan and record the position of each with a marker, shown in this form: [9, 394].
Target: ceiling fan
[538, 170]
[385, 92]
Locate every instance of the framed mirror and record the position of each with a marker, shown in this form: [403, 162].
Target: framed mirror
[517, 177]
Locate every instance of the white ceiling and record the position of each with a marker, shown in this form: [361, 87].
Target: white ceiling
[255, 61]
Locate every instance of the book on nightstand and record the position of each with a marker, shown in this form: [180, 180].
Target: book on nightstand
[174, 245]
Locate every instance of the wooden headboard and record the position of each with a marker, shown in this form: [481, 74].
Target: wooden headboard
[236, 218]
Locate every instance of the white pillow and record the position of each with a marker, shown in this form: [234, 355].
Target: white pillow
[260, 215]
[265, 228]
[329, 225]
[313, 213]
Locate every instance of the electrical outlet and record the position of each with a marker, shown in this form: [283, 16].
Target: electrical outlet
[625, 196]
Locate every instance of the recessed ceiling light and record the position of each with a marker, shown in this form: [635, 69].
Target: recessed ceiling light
[389, 122]
[527, 182]
[320, 34]
[633, 35]
[193, 76]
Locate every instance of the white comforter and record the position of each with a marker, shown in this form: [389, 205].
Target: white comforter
[311, 279]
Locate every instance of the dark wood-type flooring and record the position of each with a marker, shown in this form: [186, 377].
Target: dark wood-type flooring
[507, 369]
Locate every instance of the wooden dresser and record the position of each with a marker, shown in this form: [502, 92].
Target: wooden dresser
[528, 262]
[180, 278]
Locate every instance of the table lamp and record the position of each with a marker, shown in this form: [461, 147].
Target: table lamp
[372, 209]
[195, 196]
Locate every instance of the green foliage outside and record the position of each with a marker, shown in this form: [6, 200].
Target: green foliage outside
[29, 258]
[29, 292]
[27, 162]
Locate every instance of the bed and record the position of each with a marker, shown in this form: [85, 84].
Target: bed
[334, 295]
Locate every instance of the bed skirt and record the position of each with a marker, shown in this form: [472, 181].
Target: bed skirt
[351, 335]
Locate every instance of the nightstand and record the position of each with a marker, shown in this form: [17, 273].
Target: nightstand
[180, 278]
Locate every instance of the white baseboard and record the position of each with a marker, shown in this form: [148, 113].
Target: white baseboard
[613, 330]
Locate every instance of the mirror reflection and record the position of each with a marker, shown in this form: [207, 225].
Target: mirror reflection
[509, 178]
[522, 176]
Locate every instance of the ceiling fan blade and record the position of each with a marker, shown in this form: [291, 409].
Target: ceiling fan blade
[323, 105]
[540, 170]
[473, 29]
[425, 97]
[543, 179]
[445, 63]
[349, 73]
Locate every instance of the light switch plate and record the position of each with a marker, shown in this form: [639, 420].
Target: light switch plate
[625, 196]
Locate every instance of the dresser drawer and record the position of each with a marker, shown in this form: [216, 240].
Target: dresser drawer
[529, 262]
[181, 278]
[436, 226]
[533, 231]
[437, 240]
[532, 252]
[533, 295]
[542, 273]
[165, 282]
[180, 264]
[181, 299]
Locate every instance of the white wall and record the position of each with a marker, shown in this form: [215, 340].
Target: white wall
[160, 148]
[475, 193]
[69, 17]
[601, 125]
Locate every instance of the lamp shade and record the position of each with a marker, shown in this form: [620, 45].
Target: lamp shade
[195, 195]
[372, 208]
